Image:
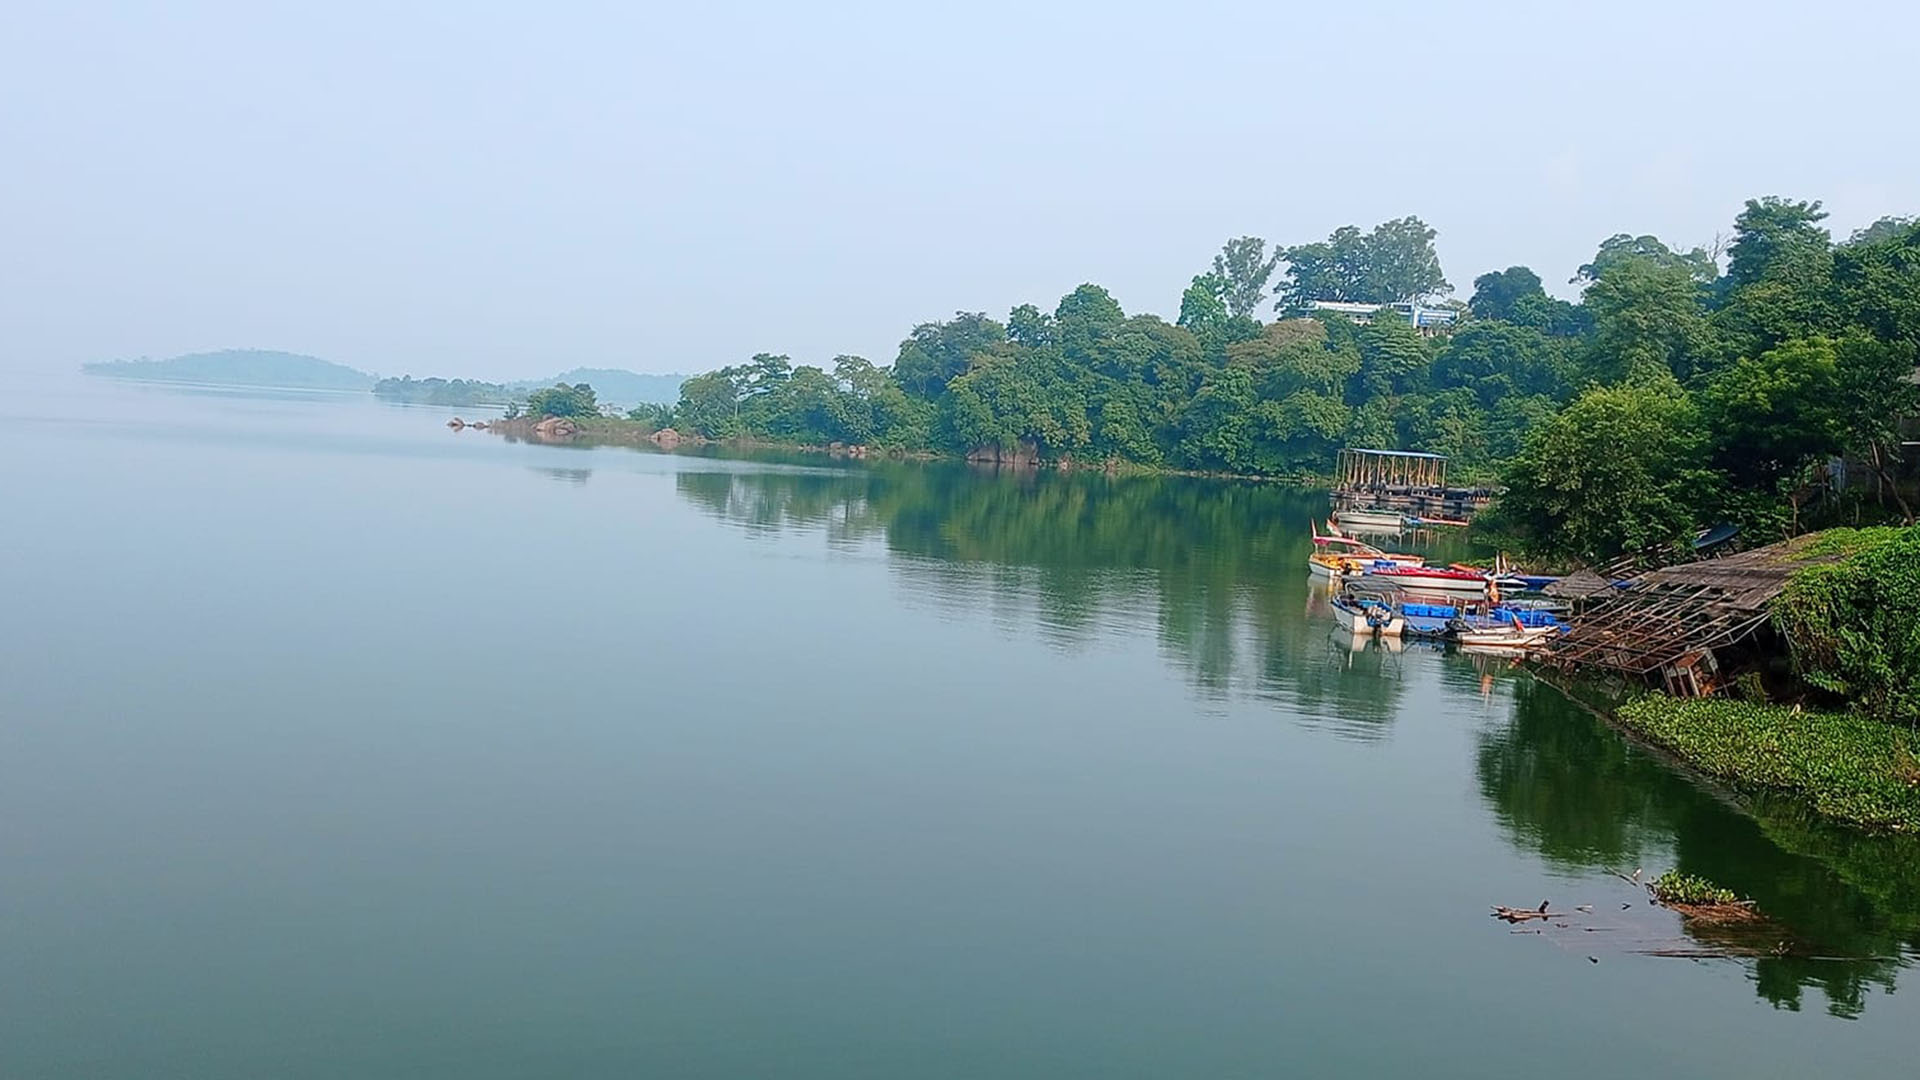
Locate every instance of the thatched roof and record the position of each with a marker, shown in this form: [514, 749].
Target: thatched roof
[1665, 614]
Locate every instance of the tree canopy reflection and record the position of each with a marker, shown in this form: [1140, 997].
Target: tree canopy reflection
[1561, 783]
[1216, 568]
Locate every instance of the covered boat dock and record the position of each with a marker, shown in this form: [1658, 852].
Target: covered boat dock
[1410, 481]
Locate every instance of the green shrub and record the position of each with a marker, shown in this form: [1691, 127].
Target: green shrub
[1853, 626]
[1674, 887]
[576, 401]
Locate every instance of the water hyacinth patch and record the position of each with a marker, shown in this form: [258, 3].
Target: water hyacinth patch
[1848, 766]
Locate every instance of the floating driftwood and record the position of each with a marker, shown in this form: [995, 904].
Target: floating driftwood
[1713, 924]
[1515, 915]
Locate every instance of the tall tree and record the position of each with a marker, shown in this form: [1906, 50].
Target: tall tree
[1203, 307]
[1772, 231]
[1084, 315]
[1622, 249]
[1648, 316]
[1029, 326]
[1498, 360]
[1394, 262]
[1496, 293]
[936, 353]
[1773, 414]
[1885, 228]
[1621, 471]
[1402, 263]
[1243, 268]
[1877, 286]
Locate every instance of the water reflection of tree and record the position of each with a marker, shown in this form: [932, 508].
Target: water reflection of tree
[1217, 568]
[1562, 784]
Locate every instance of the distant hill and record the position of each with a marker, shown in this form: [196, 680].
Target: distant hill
[240, 367]
[615, 384]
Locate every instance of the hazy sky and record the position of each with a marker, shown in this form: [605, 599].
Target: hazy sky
[493, 190]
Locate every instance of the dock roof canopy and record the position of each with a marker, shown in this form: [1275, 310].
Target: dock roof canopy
[1397, 453]
[1376, 470]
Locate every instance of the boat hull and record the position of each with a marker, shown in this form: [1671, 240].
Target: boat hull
[1509, 638]
[1413, 580]
[1351, 618]
[1369, 519]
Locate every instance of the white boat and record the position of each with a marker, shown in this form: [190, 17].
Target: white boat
[1350, 616]
[1515, 636]
[1363, 614]
[1382, 520]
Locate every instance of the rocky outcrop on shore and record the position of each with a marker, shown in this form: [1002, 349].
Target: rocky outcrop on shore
[1024, 455]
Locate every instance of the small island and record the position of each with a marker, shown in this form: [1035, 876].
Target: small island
[240, 367]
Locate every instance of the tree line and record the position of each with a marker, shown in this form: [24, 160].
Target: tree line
[1671, 395]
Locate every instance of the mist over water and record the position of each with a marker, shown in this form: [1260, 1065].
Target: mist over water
[333, 743]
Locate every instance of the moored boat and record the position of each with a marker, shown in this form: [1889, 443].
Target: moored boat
[1432, 579]
[1350, 615]
[1504, 637]
[1336, 566]
[1507, 628]
[1335, 542]
[1363, 614]
[1378, 520]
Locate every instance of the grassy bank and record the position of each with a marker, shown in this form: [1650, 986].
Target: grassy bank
[1848, 767]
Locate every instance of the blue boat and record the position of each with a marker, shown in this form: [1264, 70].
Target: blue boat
[1428, 619]
[1502, 615]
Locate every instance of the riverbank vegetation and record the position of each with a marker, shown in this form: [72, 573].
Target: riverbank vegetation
[457, 392]
[1853, 626]
[1848, 766]
[1672, 395]
[1674, 887]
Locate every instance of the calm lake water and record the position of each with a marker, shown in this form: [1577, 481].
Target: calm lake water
[337, 744]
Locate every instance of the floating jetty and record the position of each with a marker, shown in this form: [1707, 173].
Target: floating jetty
[1409, 483]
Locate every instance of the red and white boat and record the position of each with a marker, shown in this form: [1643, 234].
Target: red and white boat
[1348, 547]
[1432, 579]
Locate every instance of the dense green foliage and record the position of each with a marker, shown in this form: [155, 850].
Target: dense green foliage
[1674, 887]
[1671, 397]
[613, 384]
[1849, 766]
[1853, 625]
[240, 367]
[573, 402]
[1622, 468]
[443, 391]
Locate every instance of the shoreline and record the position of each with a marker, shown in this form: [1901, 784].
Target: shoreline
[1846, 767]
[612, 431]
[1846, 770]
